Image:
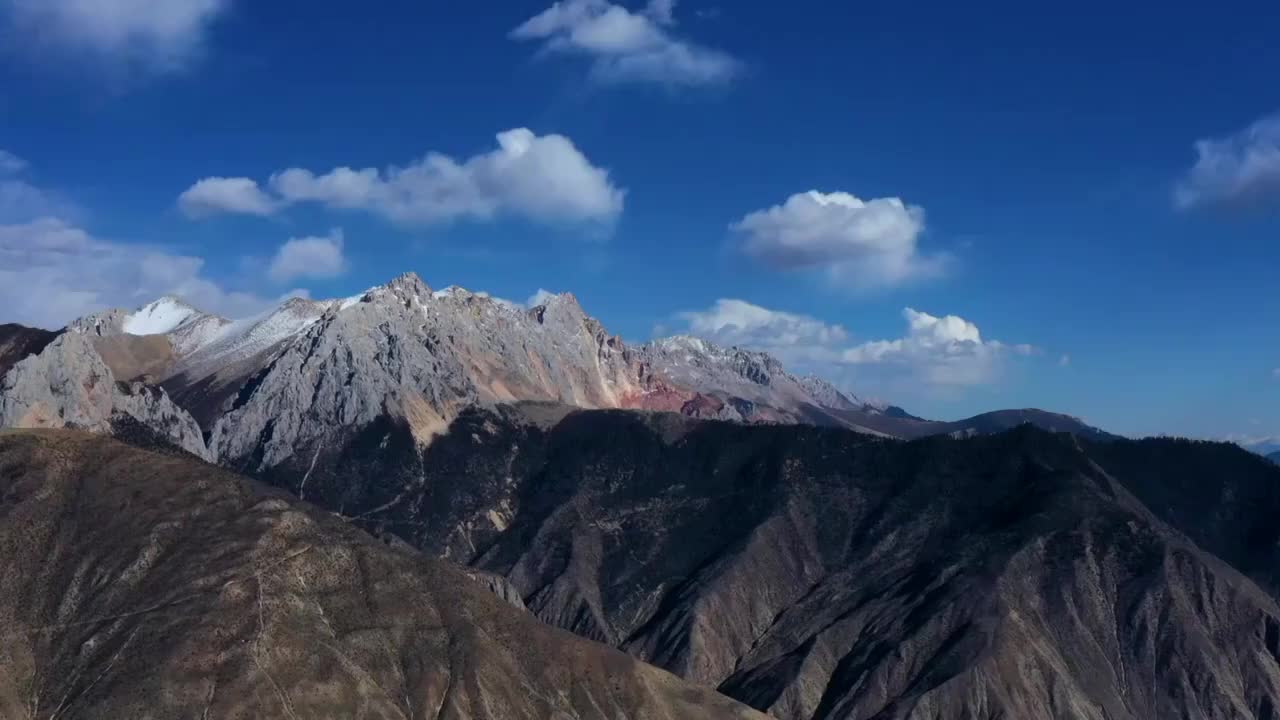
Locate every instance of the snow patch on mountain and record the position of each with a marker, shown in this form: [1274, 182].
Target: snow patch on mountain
[242, 339]
[160, 317]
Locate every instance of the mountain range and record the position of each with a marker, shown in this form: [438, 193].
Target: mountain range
[797, 550]
[820, 573]
[306, 373]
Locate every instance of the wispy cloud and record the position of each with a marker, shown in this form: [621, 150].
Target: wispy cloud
[52, 272]
[11, 164]
[1240, 168]
[142, 35]
[20, 199]
[628, 47]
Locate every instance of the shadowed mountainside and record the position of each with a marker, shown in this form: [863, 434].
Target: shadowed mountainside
[819, 573]
[18, 341]
[148, 585]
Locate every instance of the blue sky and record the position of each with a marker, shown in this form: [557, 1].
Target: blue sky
[1080, 205]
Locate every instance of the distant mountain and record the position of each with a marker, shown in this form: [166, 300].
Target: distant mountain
[1274, 457]
[815, 573]
[307, 374]
[1264, 446]
[896, 422]
[147, 585]
[813, 555]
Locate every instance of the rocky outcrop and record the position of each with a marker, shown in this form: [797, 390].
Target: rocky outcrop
[403, 351]
[18, 342]
[68, 385]
[829, 396]
[304, 379]
[145, 585]
[817, 573]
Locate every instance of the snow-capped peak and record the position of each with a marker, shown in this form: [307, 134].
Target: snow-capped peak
[157, 318]
[241, 339]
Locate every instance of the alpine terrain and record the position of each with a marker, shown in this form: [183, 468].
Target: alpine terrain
[776, 542]
[145, 585]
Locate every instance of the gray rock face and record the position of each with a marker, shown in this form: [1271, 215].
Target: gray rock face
[307, 376]
[407, 352]
[353, 366]
[282, 383]
[829, 396]
[68, 385]
[101, 324]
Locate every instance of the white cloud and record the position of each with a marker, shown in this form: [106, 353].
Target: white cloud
[541, 297]
[145, 34]
[791, 337]
[21, 201]
[52, 272]
[871, 243]
[11, 164]
[1064, 361]
[945, 350]
[1238, 168]
[1254, 442]
[625, 46]
[315, 257]
[226, 195]
[662, 11]
[540, 177]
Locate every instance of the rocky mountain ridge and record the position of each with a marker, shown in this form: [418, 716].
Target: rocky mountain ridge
[307, 372]
[802, 559]
[68, 384]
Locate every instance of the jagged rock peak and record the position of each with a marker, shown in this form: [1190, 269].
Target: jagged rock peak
[411, 283]
[828, 395]
[101, 324]
[405, 289]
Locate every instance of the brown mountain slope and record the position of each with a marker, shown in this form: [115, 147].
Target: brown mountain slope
[145, 585]
[818, 573]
